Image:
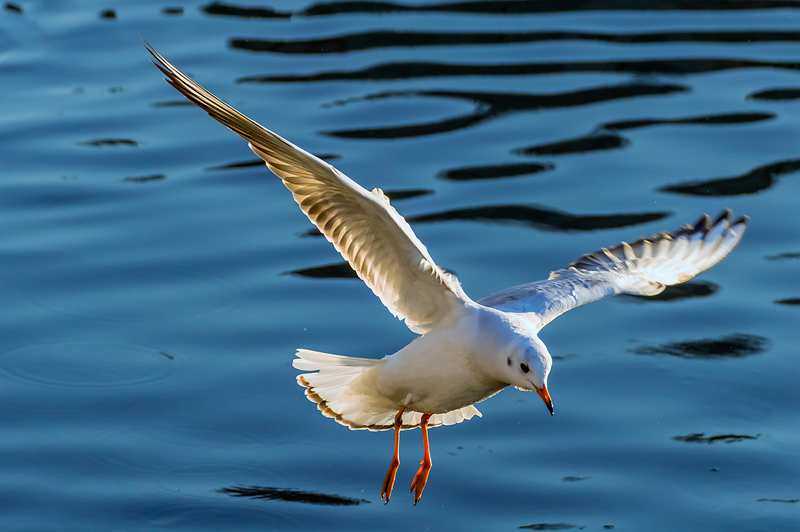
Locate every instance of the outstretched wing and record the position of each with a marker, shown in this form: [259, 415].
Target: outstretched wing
[368, 232]
[644, 267]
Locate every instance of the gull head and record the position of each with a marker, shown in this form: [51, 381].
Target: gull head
[527, 367]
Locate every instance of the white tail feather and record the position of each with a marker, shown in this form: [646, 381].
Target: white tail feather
[344, 389]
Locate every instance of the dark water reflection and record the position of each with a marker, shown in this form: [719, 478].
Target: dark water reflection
[291, 495]
[593, 142]
[494, 7]
[99, 143]
[144, 179]
[711, 120]
[533, 217]
[231, 10]
[540, 218]
[730, 346]
[702, 438]
[604, 140]
[156, 281]
[492, 105]
[258, 163]
[754, 181]
[340, 270]
[520, 7]
[497, 171]
[776, 95]
[409, 39]
[553, 526]
[784, 256]
[678, 292]
[420, 70]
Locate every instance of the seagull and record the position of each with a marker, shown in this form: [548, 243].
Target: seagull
[467, 350]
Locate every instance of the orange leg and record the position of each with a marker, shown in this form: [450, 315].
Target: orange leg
[422, 475]
[388, 482]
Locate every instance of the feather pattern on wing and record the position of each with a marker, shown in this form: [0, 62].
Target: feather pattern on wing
[362, 225]
[643, 267]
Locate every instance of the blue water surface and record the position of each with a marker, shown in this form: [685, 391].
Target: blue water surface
[155, 281]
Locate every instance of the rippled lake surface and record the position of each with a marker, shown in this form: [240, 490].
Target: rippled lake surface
[155, 280]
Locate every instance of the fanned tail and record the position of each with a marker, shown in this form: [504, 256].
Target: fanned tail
[344, 388]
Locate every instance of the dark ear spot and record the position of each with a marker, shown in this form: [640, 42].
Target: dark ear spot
[509, 361]
[524, 367]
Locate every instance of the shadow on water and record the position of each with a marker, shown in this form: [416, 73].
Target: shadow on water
[731, 346]
[144, 179]
[604, 139]
[678, 292]
[99, 143]
[373, 40]
[536, 217]
[551, 526]
[784, 256]
[521, 7]
[710, 120]
[755, 180]
[338, 270]
[776, 95]
[493, 104]
[417, 70]
[498, 171]
[497, 7]
[260, 163]
[399, 195]
[702, 438]
[592, 142]
[230, 10]
[548, 220]
[181, 103]
[235, 166]
[291, 495]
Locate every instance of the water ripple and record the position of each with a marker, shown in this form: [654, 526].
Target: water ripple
[130, 292]
[679, 66]
[85, 364]
[522, 7]
[756, 180]
[372, 40]
[493, 104]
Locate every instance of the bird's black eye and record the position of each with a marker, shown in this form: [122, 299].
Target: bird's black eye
[524, 367]
[508, 360]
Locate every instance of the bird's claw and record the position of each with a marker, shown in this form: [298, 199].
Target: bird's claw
[388, 482]
[420, 479]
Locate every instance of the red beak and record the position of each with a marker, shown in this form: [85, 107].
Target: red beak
[543, 393]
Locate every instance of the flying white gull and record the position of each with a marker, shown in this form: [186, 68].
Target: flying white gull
[468, 351]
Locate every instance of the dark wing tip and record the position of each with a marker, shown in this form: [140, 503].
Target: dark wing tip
[594, 260]
[727, 214]
[703, 224]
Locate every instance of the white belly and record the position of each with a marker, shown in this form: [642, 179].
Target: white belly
[440, 371]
